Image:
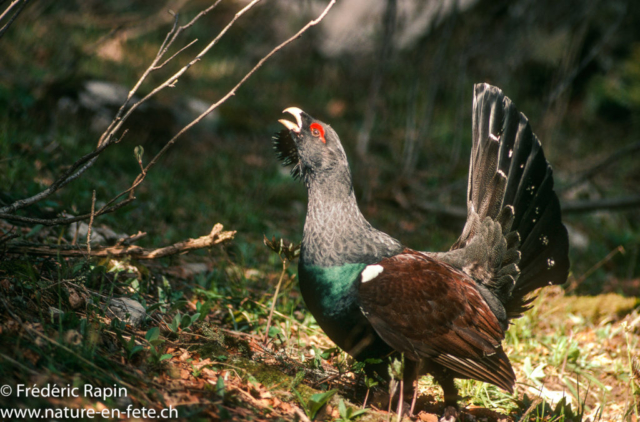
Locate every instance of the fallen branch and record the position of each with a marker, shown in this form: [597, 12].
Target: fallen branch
[216, 236]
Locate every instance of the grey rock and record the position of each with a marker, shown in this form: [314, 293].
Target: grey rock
[127, 310]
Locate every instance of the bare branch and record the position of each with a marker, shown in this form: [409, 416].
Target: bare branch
[175, 54]
[6, 26]
[216, 236]
[131, 239]
[107, 138]
[118, 121]
[13, 4]
[93, 212]
[239, 84]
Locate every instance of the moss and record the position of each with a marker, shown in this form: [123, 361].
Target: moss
[596, 308]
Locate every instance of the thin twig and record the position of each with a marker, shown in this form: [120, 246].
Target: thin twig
[175, 54]
[8, 9]
[173, 78]
[216, 236]
[531, 408]
[13, 18]
[131, 239]
[75, 235]
[400, 401]
[446, 210]
[107, 137]
[366, 397]
[232, 92]
[285, 264]
[93, 210]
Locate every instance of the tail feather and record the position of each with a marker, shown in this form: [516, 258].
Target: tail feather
[511, 183]
[529, 189]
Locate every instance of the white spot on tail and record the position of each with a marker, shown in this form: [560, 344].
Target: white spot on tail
[371, 272]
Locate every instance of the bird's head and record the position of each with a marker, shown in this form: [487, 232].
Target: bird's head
[311, 146]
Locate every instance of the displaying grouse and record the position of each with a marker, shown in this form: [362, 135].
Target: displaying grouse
[447, 311]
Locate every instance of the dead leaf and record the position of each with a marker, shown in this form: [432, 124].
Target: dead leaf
[31, 356]
[76, 300]
[427, 417]
[184, 356]
[209, 373]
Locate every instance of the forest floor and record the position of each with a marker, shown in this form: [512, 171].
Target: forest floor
[201, 348]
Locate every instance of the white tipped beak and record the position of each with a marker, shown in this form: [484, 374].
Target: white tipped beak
[290, 125]
[296, 112]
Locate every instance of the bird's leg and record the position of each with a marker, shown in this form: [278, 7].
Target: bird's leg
[413, 401]
[445, 379]
[418, 369]
[400, 401]
[364, 405]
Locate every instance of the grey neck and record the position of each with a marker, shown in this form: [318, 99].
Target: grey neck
[335, 231]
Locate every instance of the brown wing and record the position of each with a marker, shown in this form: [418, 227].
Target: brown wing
[427, 309]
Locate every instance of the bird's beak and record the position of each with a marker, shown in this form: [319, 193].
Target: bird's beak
[297, 113]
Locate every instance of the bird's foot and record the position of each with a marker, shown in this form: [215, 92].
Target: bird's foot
[450, 414]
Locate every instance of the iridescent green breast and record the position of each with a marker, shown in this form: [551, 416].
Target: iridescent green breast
[330, 292]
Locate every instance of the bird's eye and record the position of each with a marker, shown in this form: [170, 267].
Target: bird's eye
[317, 131]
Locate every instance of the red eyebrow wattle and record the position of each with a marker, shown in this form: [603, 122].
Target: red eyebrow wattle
[320, 129]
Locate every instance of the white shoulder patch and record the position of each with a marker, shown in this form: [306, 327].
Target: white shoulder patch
[371, 272]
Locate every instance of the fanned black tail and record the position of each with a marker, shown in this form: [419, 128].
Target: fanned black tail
[529, 190]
